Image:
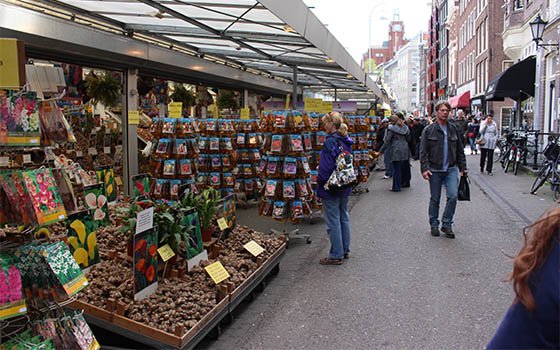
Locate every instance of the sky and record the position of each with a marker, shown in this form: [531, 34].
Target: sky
[348, 20]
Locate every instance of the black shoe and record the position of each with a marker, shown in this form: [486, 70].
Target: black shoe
[448, 232]
[346, 255]
[434, 231]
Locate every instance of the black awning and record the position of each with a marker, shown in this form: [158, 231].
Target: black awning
[517, 82]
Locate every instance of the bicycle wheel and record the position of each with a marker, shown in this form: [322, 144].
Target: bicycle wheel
[516, 166]
[507, 162]
[541, 178]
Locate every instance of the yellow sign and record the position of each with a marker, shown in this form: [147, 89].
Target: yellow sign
[254, 248]
[175, 109]
[12, 64]
[327, 107]
[118, 181]
[222, 223]
[13, 309]
[312, 104]
[386, 113]
[166, 252]
[214, 111]
[372, 112]
[245, 113]
[217, 272]
[288, 102]
[133, 118]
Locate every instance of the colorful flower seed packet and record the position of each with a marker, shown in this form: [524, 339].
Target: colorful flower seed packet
[81, 238]
[65, 268]
[96, 200]
[44, 195]
[145, 263]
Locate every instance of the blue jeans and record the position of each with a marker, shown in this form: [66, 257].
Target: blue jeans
[473, 145]
[336, 215]
[397, 175]
[450, 180]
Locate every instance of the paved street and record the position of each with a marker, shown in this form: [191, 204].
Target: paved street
[401, 288]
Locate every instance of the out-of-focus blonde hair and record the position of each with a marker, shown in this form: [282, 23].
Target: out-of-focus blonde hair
[336, 119]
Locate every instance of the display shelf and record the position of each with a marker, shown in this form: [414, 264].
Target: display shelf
[128, 328]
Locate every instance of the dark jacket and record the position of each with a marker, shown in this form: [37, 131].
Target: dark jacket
[379, 136]
[397, 139]
[431, 148]
[539, 329]
[327, 163]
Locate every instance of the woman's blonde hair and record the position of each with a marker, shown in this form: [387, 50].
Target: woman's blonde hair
[336, 119]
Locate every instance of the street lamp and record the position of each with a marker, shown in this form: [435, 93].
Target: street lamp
[538, 26]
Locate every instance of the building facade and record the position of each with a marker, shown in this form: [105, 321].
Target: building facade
[432, 64]
[377, 55]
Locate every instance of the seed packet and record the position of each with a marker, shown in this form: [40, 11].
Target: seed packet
[362, 139]
[244, 155]
[305, 164]
[163, 147]
[298, 124]
[185, 167]
[240, 140]
[290, 166]
[280, 121]
[288, 189]
[259, 184]
[296, 143]
[180, 148]
[249, 185]
[227, 144]
[12, 301]
[307, 142]
[81, 238]
[174, 189]
[265, 207]
[215, 179]
[201, 163]
[239, 185]
[145, 263]
[296, 210]
[141, 185]
[168, 127]
[262, 166]
[314, 121]
[226, 163]
[276, 146]
[270, 190]
[255, 155]
[321, 136]
[238, 169]
[203, 143]
[194, 150]
[169, 167]
[20, 122]
[252, 140]
[314, 177]
[215, 162]
[211, 126]
[44, 195]
[302, 190]
[228, 180]
[65, 268]
[202, 179]
[279, 210]
[272, 166]
[155, 127]
[214, 144]
[160, 188]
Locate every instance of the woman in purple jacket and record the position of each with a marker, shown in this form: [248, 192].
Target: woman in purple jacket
[533, 320]
[335, 204]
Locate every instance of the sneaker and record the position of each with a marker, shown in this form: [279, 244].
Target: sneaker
[330, 261]
[490, 173]
[434, 231]
[448, 232]
[385, 177]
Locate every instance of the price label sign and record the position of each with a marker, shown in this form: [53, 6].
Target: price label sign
[133, 118]
[288, 102]
[118, 181]
[222, 223]
[254, 248]
[244, 113]
[327, 107]
[26, 158]
[166, 252]
[175, 109]
[106, 150]
[79, 154]
[312, 104]
[217, 272]
[4, 161]
[92, 151]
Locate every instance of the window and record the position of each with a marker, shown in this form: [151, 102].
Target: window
[517, 4]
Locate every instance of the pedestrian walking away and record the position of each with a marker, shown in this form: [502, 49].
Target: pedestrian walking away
[472, 134]
[442, 158]
[533, 320]
[488, 133]
[396, 139]
[335, 204]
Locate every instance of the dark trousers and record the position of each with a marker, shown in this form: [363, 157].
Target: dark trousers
[405, 173]
[486, 156]
[398, 174]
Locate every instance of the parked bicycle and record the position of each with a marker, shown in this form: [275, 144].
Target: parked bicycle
[549, 170]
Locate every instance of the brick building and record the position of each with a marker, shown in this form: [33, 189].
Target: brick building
[386, 52]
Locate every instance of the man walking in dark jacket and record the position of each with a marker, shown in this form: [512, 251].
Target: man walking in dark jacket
[442, 158]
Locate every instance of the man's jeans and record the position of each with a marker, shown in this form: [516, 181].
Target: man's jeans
[450, 180]
[338, 225]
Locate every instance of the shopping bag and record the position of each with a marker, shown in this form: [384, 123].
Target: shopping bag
[464, 192]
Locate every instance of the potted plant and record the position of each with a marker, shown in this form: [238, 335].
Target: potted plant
[126, 217]
[105, 89]
[227, 99]
[172, 229]
[206, 205]
[182, 94]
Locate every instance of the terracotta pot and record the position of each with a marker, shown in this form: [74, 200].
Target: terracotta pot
[207, 235]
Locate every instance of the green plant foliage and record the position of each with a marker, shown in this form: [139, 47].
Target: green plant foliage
[105, 89]
[182, 94]
[227, 99]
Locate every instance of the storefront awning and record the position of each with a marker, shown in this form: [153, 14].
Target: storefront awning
[460, 101]
[517, 82]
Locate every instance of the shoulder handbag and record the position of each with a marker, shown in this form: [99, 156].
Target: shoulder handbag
[464, 191]
[343, 175]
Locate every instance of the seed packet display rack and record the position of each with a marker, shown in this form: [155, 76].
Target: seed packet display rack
[173, 159]
[248, 141]
[217, 161]
[284, 168]
[358, 129]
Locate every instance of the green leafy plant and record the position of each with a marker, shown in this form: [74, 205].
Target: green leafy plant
[184, 95]
[127, 216]
[171, 226]
[105, 89]
[206, 205]
[227, 99]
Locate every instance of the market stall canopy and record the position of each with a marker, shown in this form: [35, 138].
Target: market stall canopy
[267, 37]
[517, 82]
[460, 101]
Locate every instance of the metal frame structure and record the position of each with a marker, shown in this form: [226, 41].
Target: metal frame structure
[268, 44]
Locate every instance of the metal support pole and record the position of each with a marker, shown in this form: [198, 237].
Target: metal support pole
[536, 153]
[537, 102]
[335, 95]
[246, 98]
[294, 88]
[130, 135]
